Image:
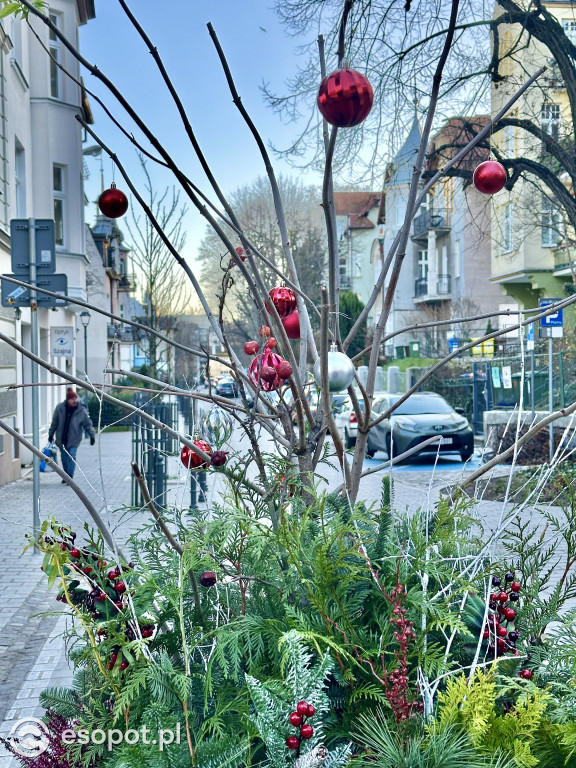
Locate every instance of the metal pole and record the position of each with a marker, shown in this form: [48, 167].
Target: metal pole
[532, 382]
[551, 390]
[34, 381]
[86, 351]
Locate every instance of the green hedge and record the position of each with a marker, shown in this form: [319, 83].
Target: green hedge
[110, 413]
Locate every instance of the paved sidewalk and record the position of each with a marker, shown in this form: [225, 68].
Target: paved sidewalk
[31, 647]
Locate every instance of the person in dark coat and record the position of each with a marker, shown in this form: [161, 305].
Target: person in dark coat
[70, 419]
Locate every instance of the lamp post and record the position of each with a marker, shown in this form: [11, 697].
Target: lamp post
[85, 319]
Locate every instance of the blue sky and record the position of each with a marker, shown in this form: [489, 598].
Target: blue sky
[257, 49]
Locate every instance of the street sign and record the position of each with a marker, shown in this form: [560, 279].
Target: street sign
[16, 296]
[20, 246]
[530, 336]
[62, 340]
[555, 320]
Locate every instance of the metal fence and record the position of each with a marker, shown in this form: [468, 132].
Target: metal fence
[151, 447]
[497, 384]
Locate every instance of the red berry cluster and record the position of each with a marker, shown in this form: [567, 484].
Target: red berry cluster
[105, 600]
[500, 630]
[298, 720]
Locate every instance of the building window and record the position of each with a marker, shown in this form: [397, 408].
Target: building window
[59, 202]
[507, 229]
[569, 27]
[423, 264]
[550, 120]
[55, 54]
[16, 37]
[552, 223]
[20, 179]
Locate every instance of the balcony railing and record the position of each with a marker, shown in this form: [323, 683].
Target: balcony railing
[562, 259]
[423, 288]
[430, 220]
[120, 332]
[127, 283]
[345, 281]
[443, 284]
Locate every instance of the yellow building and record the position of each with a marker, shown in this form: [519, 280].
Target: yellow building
[531, 236]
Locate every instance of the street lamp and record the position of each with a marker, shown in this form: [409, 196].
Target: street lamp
[85, 319]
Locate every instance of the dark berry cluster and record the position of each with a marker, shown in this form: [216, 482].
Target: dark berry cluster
[298, 720]
[500, 630]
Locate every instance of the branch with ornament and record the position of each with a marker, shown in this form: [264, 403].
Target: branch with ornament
[344, 100]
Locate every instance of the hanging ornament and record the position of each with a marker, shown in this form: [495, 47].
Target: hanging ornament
[250, 347]
[190, 459]
[113, 203]
[490, 177]
[216, 425]
[292, 325]
[345, 98]
[283, 299]
[263, 371]
[340, 370]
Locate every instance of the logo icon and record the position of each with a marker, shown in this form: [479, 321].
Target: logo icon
[29, 737]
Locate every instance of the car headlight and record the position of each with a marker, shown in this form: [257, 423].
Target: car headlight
[407, 424]
[461, 424]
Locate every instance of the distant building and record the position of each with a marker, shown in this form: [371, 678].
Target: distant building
[357, 219]
[41, 178]
[533, 246]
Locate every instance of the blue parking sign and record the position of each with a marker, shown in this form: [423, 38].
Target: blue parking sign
[555, 320]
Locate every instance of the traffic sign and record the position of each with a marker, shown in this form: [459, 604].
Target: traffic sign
[555, 320]
[530, 336]
[20, 246]
[17, 296]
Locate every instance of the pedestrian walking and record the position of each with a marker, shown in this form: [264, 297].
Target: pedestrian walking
[69, 420]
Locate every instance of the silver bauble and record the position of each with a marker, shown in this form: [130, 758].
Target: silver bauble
[340, 371]
[216, 426]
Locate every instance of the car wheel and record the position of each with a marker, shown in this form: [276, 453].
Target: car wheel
[466, 455]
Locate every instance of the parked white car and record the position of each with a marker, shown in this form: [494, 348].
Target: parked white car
[345, 417]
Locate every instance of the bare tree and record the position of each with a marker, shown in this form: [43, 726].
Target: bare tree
[162, 286]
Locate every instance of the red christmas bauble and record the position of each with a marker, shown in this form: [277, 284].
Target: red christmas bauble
[345, 98]
[113, 203]
[191, 460]
[259, 365]
[284, 299]
[292, 325]
[490, 177]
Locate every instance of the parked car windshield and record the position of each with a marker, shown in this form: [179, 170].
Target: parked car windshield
[417, 404]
